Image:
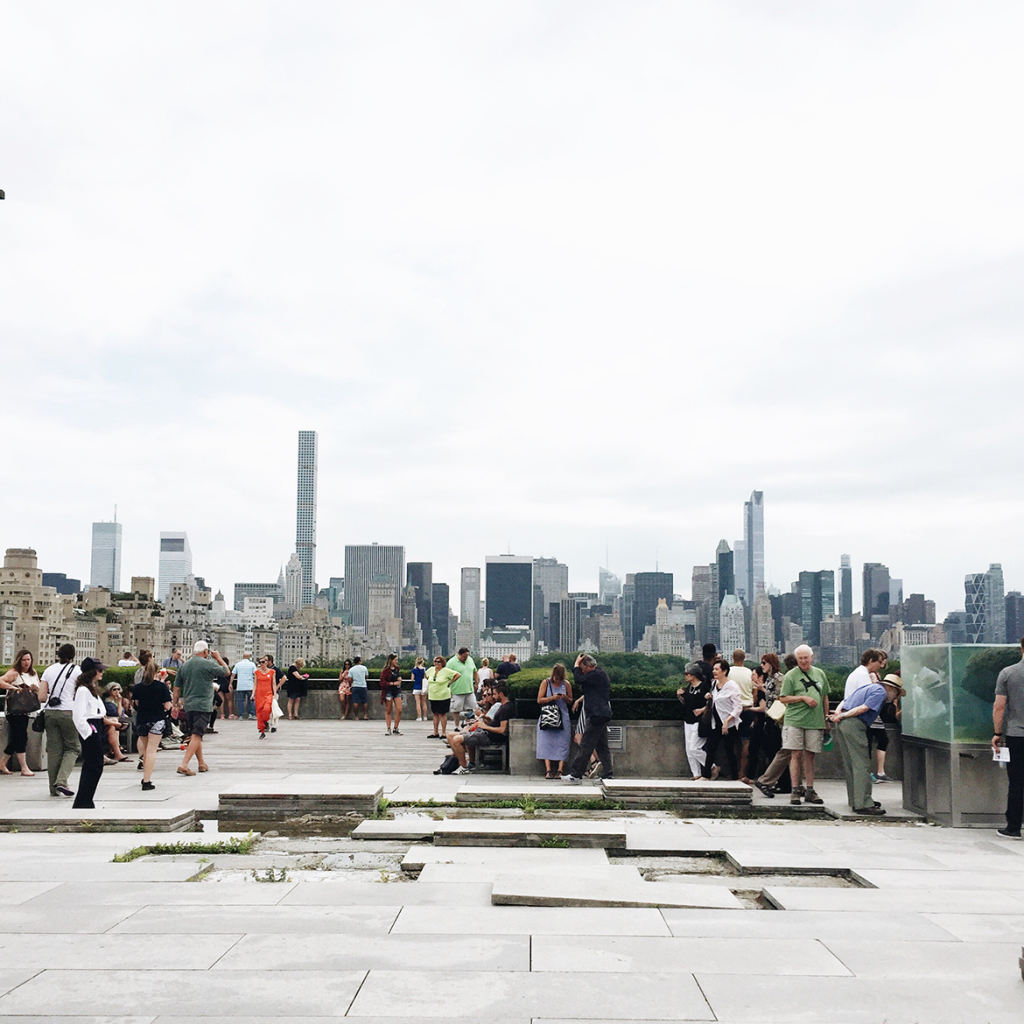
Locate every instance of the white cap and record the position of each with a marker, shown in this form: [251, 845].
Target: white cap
[199, 646]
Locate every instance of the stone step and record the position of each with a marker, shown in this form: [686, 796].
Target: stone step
[609, 835]
[512, 859]
[545, 891]
[552, 791]
[677, 789]
[407, 827]
[484, 873]
[292, 797]
[62, 818]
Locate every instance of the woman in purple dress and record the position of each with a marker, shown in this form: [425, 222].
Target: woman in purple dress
[553, 744]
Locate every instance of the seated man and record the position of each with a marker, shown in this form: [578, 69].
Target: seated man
[490, 730]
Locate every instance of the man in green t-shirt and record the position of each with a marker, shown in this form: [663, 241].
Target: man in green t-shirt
[193, 692]
[463, 688]
[805, 694]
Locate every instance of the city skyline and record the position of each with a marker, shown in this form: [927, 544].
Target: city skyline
[546, 206]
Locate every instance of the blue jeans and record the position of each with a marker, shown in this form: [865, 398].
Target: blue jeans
[245, 704]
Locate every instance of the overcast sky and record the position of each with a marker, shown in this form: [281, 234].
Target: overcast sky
[545, 277]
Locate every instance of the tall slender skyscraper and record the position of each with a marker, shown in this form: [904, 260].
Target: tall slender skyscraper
[305, 516]
[420, 576]
[106, 556]
[752, 570]
[469, 601]
[845, 588]
[175, 561]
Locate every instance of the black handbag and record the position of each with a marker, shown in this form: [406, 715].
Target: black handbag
[39, 722]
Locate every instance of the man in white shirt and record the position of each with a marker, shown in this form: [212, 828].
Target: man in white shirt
[872, 663]
[244, 674]
[57, 695]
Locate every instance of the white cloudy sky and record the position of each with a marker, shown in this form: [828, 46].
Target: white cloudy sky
[555, 276]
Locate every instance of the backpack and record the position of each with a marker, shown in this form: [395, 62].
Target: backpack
[448, 765]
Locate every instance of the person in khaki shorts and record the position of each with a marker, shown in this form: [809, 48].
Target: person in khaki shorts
[57, 695]
[805, 694]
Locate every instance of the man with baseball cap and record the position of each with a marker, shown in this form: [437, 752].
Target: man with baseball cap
[852, 719]
[193, 690]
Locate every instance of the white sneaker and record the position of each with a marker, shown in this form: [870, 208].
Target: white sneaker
[572, 780]
[461, 771]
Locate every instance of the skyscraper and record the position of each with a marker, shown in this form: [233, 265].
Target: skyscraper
[1014, 617]
[627, 606]
[753, 546]
[845, 588]
[363, 562]
[817, 599]
[175, 561]
[305, 515]
[609, 586]
[648, 588]
[876, 598]
[731, 625]
[726, 570]
[420, 576]
[293, 582]
[106, 556]
[509, 591]
[440, 600]
[550, 582]
[469, 601]
[986, 606]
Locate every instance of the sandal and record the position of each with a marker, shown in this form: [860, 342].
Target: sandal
[548, 775]
[6, 771]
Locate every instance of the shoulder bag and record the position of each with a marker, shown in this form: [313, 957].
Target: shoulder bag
[22, 701]
[550, 714]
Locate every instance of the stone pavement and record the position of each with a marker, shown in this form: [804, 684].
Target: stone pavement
[926, 924]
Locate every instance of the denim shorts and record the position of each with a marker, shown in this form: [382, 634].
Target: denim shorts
[358, 694]
[150, 728]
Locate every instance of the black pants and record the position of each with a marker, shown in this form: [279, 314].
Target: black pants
[771, 746]
[17, 734]
[595, 737]
[730, 744]
[1015, 778]
[92, 766]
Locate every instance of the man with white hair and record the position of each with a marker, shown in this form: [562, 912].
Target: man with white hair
[193, 690]
[805, 695]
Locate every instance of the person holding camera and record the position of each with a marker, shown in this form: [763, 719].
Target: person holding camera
[58, 697]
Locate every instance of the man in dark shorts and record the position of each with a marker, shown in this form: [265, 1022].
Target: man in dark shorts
[489, 730]
[193, 691]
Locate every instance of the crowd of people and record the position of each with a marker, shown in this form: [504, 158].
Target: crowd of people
[763, 726]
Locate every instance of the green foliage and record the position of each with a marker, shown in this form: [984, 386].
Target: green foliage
[232, 845]
[382, 807]
[554, 842]
[270, 875]
[982, 669]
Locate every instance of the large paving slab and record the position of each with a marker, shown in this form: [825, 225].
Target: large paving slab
[609, 835]
[13, 893]
[918, 959]
[545, 891]
[297, 796]
[984, 879]
[484, 872]
[143, 951]
[182, 894]
[393, 894]
[70, 918]
[355, 951]
[805, 924]
[784, 1000]
[491, 920]
[164, 919]
[630, 953]
[481, 996]
[886, 901]
[507, 857]
[678, 791]
[239, 993]
[1008, 927]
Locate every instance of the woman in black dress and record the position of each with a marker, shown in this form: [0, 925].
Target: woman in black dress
[295, 686]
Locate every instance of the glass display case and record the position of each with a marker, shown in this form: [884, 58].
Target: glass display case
[948, 772]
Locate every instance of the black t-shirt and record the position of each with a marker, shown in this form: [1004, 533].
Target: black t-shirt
[150, 699]
[694, 698]
[504, 713]
[506, 669]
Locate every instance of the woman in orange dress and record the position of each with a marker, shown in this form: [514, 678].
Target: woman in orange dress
[263, 697]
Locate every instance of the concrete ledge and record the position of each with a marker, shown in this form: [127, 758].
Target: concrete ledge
[608, 835]
[275, 801]
[64, 819]
[554, 792]
[409, 828]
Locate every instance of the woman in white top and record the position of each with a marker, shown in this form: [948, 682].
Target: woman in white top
[89, 716]
[22, 686]
[726, 705]
[484, 672]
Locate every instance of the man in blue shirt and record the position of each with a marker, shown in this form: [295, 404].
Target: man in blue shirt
[245, 680]
[852, 719]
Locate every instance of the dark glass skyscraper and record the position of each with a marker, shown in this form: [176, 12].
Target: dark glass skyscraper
[817, 599]
[726, 571]
[419, 576]
[509, 594]
[648, 589]
[876, 598]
